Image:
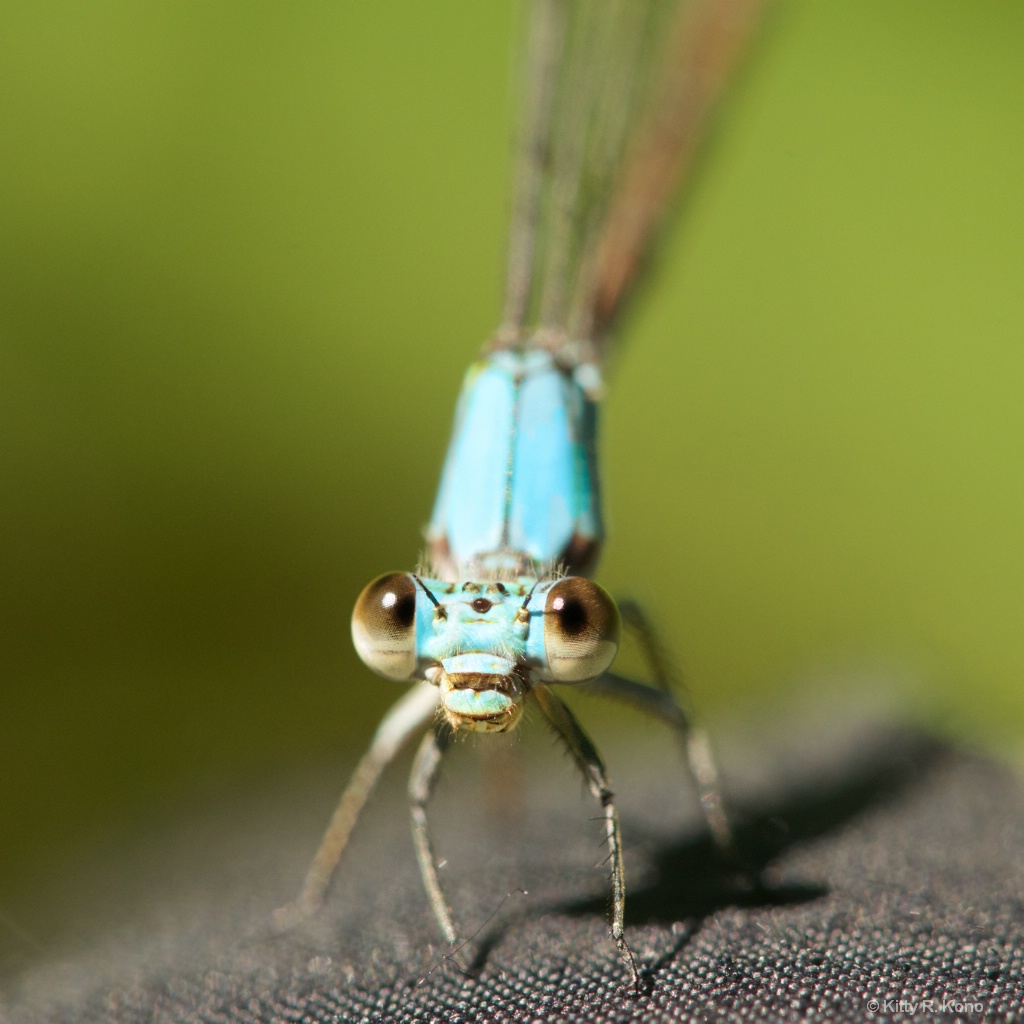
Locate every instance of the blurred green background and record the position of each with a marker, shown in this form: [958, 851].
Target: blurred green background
[245, 253]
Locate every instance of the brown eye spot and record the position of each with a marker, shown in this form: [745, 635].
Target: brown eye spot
[400, 608]
[572, 615]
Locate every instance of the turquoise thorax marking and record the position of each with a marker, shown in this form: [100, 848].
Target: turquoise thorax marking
[519, 486]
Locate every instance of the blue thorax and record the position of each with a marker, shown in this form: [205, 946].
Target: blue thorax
[519, 490]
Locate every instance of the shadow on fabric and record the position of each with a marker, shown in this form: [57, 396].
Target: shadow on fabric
[689, 881]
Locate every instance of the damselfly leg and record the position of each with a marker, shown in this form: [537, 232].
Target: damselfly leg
[407, 716]
[589, 762]
[662, 701]
[421, 786]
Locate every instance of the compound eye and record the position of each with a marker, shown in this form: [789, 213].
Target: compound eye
[581, 630]
[384, 625]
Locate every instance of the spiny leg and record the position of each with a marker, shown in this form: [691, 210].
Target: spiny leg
[663, 702]
[590, 764]
[421, 786]
[406, 717]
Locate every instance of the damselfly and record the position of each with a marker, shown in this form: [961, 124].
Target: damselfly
[615, 92]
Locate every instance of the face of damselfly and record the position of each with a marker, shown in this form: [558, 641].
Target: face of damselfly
[484, 643]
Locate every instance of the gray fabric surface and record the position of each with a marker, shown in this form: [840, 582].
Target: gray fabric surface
[889, 870]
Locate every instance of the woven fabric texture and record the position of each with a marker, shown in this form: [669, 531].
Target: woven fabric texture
[889, 886]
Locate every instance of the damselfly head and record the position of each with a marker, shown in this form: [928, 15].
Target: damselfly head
[484, 642]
